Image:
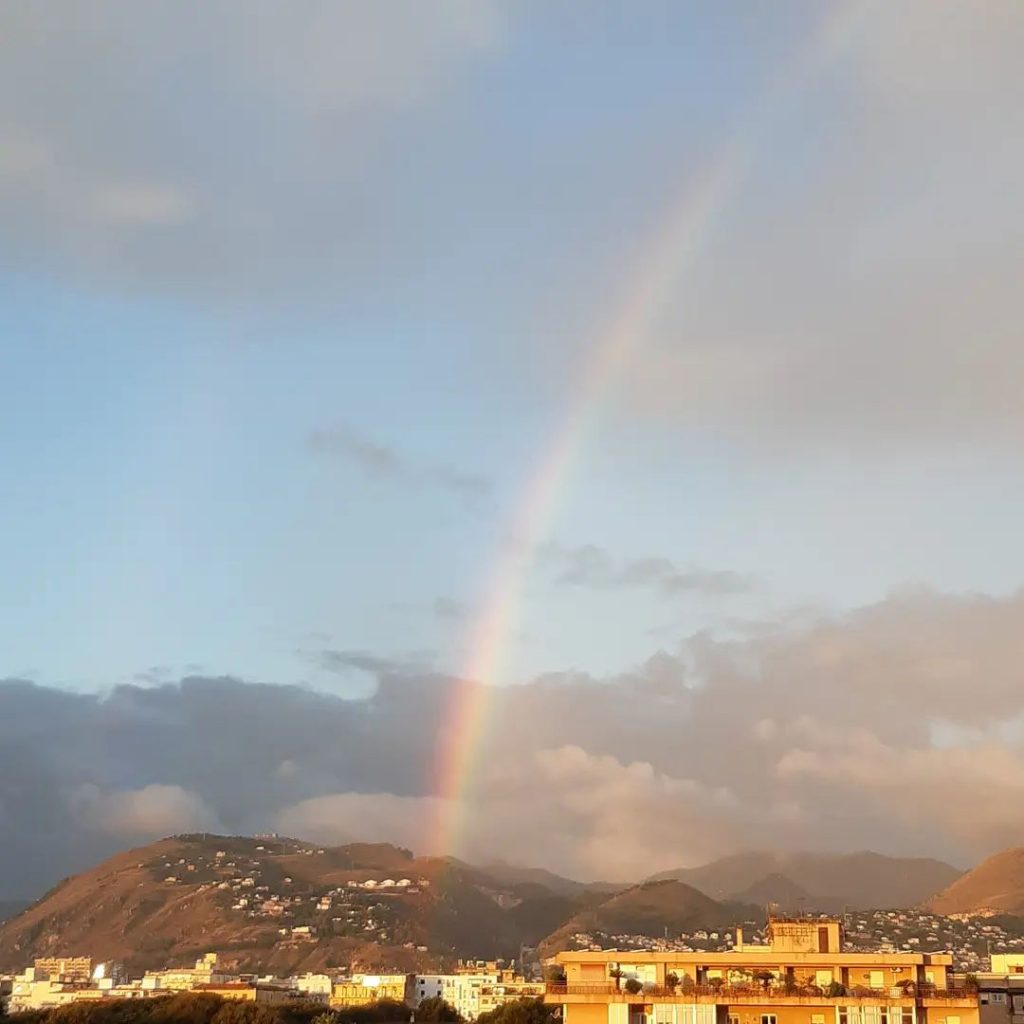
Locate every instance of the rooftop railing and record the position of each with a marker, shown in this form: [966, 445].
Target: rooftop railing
[724, 993]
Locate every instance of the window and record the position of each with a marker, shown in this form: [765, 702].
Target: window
[823, 978]
[769, 1018]
[734, 1018]
[876, 979]
[817, 1018]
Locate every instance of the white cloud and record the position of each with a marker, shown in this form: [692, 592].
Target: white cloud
[365, 817]
[143, 203]
[153, 811]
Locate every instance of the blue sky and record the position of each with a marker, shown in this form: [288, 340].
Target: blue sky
[220, 244]
[295, 300]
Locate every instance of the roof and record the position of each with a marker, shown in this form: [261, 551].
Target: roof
[748, 956]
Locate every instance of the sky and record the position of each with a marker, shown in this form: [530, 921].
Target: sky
[650, 371]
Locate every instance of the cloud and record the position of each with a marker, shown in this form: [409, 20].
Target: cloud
[897, 726]
[593, 567]
[342, 661]
[258, 166]
[858, 288]
[143, 203]
[152, 812]
[866, 296]
[364, 817]
[379, 460]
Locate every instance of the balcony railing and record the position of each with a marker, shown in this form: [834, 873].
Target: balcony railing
[725, 993]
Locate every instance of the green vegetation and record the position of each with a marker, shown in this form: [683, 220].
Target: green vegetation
[204, 1008]
[521, 1011]
[435, 1010]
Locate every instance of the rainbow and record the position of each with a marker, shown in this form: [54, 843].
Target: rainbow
[669, 254]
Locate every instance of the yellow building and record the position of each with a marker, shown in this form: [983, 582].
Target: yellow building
[1007, 963]
[507, 990]
[802, 975]
[71, 968]
[251, 992]
[182, 979]
[361, 989]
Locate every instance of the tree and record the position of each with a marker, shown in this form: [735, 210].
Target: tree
[520, 1011]
[435, 1010]
[554, 974]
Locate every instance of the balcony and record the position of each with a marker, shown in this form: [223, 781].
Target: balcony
[753, 995]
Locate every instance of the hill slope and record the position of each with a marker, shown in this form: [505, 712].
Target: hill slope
[860, 881]
[652, 908]
[512, 875]
[995, 884]
[777, 890]
[170, 901]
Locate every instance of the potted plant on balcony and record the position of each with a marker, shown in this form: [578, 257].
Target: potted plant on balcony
[616, 975]
[633, 987]
[671, 981]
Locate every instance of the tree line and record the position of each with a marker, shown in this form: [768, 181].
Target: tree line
[207, 1008]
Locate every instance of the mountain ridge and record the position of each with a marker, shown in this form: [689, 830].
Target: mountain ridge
[994, 885]
[286, 905]
[863, 880]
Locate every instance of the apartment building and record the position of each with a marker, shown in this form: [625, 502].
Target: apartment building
[252, 992]
[361, 989]
[801, 975]
[507, 990]
[472, 992]
[1001, 989]
[183, 979]
[68, 968]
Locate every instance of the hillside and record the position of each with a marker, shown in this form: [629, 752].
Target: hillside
[170, 901]
[828, 881]
[652, 908]
[781, 892]
[997, 884]
[512, 875]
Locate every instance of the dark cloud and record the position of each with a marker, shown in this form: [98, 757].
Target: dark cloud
[343, 661]
[898, 726]
[381, 461]
[591, 566]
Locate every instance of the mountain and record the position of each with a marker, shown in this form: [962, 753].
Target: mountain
[780, 891]
[168, 902]
[652, 908]
[997, 884]
[512, 875]
[861, 881]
